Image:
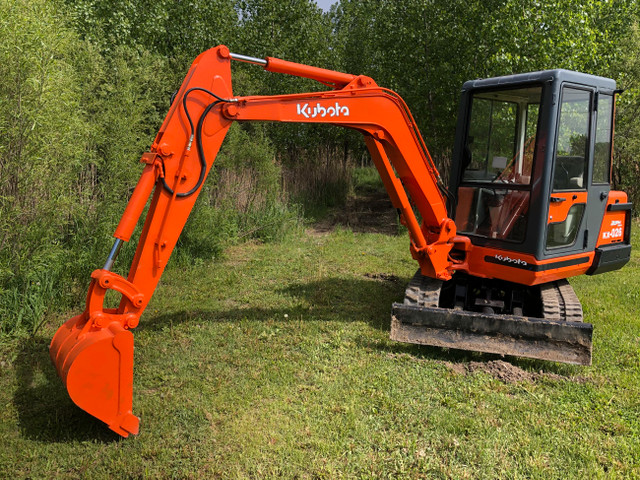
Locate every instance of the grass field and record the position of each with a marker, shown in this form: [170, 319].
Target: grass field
[275, 363]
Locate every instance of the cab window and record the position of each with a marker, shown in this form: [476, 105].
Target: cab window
[494, 192]
[572, 143]
[501, 139]
[604, 128]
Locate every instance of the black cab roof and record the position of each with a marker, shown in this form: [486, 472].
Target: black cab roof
[543, 76]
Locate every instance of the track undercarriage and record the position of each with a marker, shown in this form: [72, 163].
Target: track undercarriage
[491, 316]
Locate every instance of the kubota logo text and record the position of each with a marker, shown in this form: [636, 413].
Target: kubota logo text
[517, 261]
[312, 112]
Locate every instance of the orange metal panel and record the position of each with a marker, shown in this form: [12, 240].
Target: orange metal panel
[522, 268]
[558, 211]
[613, 222]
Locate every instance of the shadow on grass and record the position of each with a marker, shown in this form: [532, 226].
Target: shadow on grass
[346, 300]
[332, 299]
[45, 411]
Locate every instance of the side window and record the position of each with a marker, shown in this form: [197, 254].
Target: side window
[564, 233]
[602, 152]
[572, 144]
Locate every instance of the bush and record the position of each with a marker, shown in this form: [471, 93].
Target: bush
[242, 199]
[75, 118]
[74, 124]
[40, 156]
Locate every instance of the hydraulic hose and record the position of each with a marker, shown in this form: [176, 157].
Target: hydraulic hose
[197, 134]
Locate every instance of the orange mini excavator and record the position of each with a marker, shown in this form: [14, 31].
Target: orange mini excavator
[529, 204]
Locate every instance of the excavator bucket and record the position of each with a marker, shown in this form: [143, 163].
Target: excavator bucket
[559, 336]
[93, 355]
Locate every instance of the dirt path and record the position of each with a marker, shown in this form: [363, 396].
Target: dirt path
[363, 213]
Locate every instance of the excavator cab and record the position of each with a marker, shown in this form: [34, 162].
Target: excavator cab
[533, 206]
[531, 170]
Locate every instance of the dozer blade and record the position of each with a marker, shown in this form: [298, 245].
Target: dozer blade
[557, 341]
[96, 366]
[554, 338]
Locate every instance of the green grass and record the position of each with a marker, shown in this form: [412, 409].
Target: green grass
[367, 180]
[275, 363]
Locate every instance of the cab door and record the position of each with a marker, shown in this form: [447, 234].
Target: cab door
[569, 196]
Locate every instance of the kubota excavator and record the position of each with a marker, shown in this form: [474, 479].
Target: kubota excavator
[529, 204]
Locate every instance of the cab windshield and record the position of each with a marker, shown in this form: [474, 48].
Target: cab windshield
[493, 196]
[501, 139]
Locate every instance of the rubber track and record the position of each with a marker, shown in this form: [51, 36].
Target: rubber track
[560, 302]
[422, 291]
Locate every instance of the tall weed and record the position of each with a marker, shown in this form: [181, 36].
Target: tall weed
[320, 177]
[40, 155]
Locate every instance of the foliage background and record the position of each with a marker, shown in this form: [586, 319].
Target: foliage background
[84, 85]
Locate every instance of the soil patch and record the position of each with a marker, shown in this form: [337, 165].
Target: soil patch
[504, 371]
[386, 277]
[507, 372]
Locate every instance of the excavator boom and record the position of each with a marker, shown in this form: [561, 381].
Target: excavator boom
[93, 352]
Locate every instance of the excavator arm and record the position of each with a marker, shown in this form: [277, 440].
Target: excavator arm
[93, 352]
